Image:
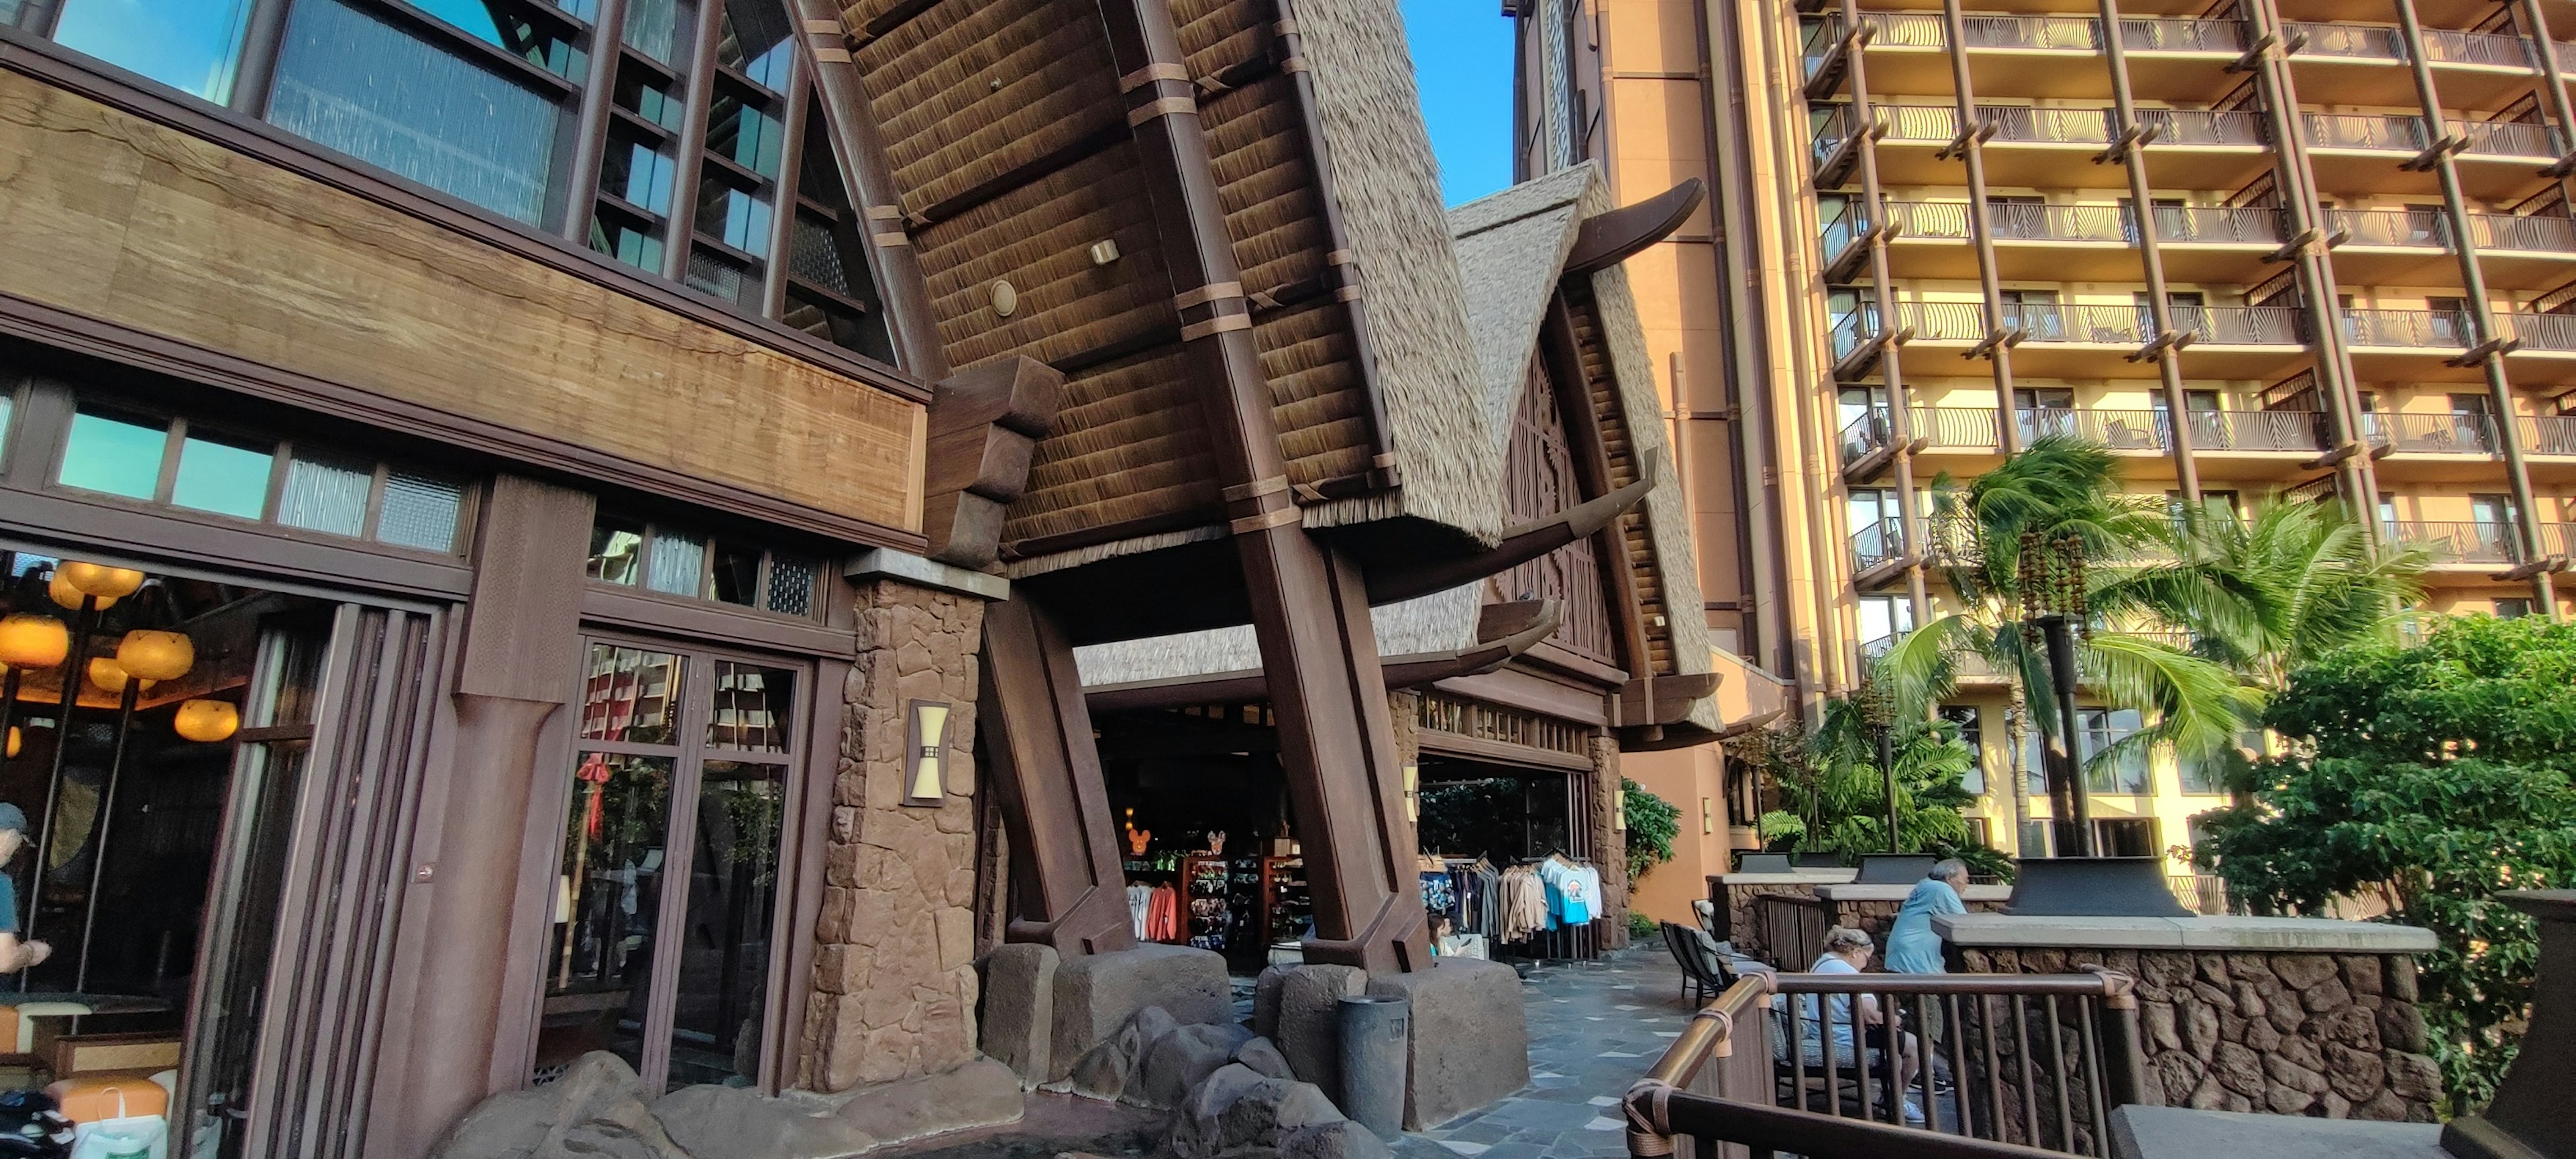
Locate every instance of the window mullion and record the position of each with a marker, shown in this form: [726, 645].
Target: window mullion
[261, 41]
[693, 142]
[782, 214]
[598, 98]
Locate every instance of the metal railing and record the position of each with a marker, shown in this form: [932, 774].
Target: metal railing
[2203, 126]
[1938, 124]
[2391, 227]
[2459, 540]
[2105, 324]
[1848, 224]
[2505, 138]
[2180, 34]
[2352, 41]
[2034, 125]
[2384, 131]
[2033, 1065]
[2414, 329]
[1853, 329]
[2204, 893]
[2447, 46]
[2543, 331]
[2257, 430]
[1876, 543]
[2533, 233]
[2214, 224]
[2559, 538]
[2432, 434]
[2548, 434]
[1863, 435]
[2059, 33]
[1833, 127]
[1956, 427]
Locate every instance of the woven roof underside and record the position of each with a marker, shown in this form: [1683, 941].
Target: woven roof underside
[967, 93]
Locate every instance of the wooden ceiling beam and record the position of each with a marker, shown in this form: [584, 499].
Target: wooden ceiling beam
[851, 125]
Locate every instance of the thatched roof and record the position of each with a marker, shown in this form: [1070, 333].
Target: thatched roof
[1512, 248]
[1007, 136]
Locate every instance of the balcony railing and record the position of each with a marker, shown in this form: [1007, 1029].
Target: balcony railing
[2106, 325]
[2411, 329]
[1876, 543]
[2217, 225]
[2177, 34]
[1862, 435]
[2060, 33]
[2543, 331]
[1847, 224]
[2459, 541]
[2559, 538]
[2391, 227]
[2505, 138]
[2528, 233]
[2383, 131]
[2548, 434]
[1970, 428]
[2432, 434]
[2301, 431]
[2203, 126]
[1852, 329]
[2444, 46]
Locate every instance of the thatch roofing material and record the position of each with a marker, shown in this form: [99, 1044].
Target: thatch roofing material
[1006, 132]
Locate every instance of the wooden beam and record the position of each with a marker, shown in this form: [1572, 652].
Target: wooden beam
[1557, 344]
[1415, 670]
[1664, 699]
[984, 426]
[1606, 239]
[1519, 545]
[852, 125]
[1046, 775]
[1308, 605]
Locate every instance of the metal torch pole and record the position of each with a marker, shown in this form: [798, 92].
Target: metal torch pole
[2071, 814]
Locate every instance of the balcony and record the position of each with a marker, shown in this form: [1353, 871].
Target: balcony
[2226, 444]
[2459, 543]
[2364, 153]
[2431, 434]
[1842, 238]
[2081, 242]
[2414, 247]
[2094, 341]
[2052, 146]
[2548, 435]
[2363, 64]
[1875, 546]
[2169, 58]
[2445, 331]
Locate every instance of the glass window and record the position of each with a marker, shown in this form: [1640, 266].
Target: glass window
[610, 900]
[1971, 736]
[735, 578]
[723, 982]
[325, 494]
[351, 82]
[225, 476]
[616, 546]
[676, 565]
[791, 585]
[420, 511]
[190, 45]
[745, 135]
[753, 709]
[660, 28]
[114, 453]
[724, 278]
[637, 174]
[736, 218]
[7, 404]
[755, 42]
[631, 695]
[498, 24]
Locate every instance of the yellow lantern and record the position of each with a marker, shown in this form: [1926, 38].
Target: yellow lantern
[68, 596]
[105, 672]
[98, 579]
[32, 641]
[156, 655]
[207, 721]
[16, 741]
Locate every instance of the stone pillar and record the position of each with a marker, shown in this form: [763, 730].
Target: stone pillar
[1609, 843]
[1405, 710]
[894, 977]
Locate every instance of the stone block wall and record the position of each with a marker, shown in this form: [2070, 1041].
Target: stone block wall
[894, 977]
[2281, 1032]
[1609, 845]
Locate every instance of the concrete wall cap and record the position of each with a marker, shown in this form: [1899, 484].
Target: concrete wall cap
[1847, 891]
[887, 563]
[1802, 877]
[2325, 935]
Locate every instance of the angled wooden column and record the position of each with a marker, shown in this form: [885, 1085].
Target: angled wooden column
[1309, 606]
[1046, 774]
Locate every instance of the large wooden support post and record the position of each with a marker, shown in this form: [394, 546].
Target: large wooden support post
[1309, 609]
[1046, 775]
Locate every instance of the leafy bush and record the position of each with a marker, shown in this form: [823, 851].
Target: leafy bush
[1652, 824]
[2437, 776]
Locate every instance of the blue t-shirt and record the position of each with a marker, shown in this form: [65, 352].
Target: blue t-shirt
[1912, 946]
[8, 904]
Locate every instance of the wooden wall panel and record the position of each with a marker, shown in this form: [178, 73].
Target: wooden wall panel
[136, 224]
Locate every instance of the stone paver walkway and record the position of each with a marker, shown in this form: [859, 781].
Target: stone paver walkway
[1594, 1027]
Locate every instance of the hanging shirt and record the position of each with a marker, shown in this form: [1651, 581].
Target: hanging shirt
[1912, 946]
[1140, 900]
[1570, 898]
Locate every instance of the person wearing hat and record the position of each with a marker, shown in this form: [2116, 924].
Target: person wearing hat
[14, 954]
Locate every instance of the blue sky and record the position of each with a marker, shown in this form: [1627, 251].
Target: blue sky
[1462, 57]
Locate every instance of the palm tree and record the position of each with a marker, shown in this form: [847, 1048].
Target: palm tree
[2058, 488]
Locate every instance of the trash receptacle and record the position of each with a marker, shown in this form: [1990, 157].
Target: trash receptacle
[1374, 1031]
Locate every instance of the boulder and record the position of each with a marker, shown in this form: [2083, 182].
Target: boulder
[1336, 1140]
[1236, 1107]
[1095, 995]
[1104, 1071]
[1262, 1056]
[1470, 1037]
[595, 1110]
[1176, 1063]
[1017, 1022]
[1309, 1020]
[977, 1094]
[1265, 1000]
[713, 1122]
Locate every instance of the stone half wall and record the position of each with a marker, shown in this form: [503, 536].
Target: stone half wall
[1736, 899]
[1609, 844]
[2281, 1032]
[894, 977]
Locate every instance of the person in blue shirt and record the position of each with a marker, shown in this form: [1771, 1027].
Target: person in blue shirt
[1912, 945]
[14, 955]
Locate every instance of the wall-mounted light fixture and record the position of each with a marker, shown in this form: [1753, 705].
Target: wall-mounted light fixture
[1707, 815]
[1619, 821]
[926, 754]
[1413, 793]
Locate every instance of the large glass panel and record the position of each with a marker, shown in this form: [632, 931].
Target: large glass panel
[724, 940]
[735, 578]
[115, 453]
[660, 28]
[825, 253]
[351, 82]
[190, 45]
[616, 546]
[604, 939]
[755, 708]
[736, 218]
[723, 278]
[755, 42]
[745, 134]
[628, 242]
[631, 695]
[420, 511]
[7, 403]
[225, 476]
[636, 173]
[326, 494]
[648, 96]
[495, 23]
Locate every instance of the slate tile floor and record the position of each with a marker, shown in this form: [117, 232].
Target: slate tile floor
[1594, 1027]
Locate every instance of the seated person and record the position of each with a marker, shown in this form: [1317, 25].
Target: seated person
[1912, 946]
[1836, 1021]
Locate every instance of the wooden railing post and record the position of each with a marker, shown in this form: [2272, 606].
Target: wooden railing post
[2124, 1055]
